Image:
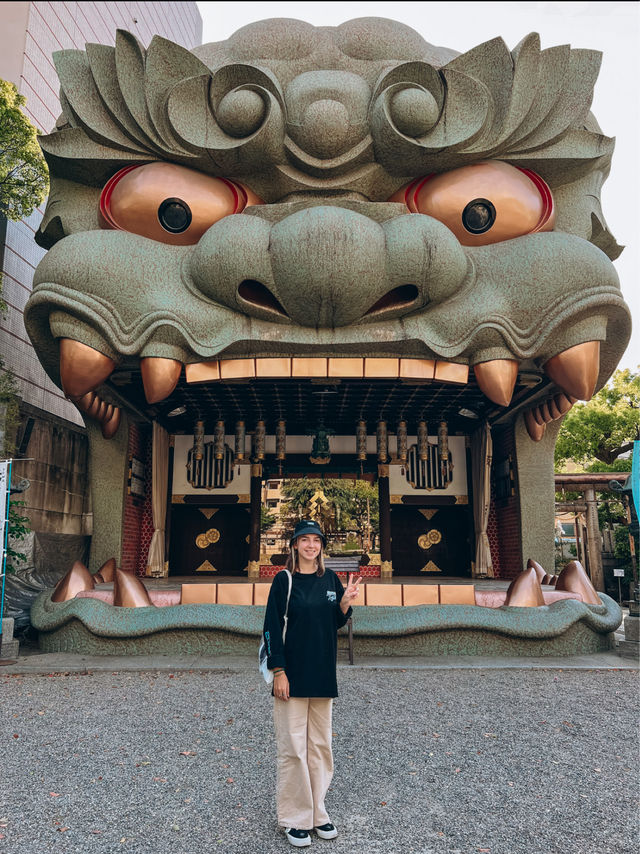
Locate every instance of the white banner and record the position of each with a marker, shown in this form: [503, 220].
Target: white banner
[4, 497]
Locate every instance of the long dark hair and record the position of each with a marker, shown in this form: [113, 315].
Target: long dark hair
[292, 561]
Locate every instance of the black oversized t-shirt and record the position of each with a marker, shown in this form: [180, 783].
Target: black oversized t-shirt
[310, 648]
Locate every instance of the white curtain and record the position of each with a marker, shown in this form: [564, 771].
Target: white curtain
[481, 457]
[159, 483]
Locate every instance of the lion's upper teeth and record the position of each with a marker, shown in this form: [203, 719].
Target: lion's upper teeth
[576, 370]
[82, 368]
[110, 425]
[534, 429]
[159, 376]
[563, 403]
[497, 379]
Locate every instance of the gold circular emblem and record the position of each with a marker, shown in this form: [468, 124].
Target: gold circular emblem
[425, 541]
[212, 535]
[201, 541]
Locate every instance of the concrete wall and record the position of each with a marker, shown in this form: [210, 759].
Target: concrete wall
[58, 500]
[536, 487]
[30, 33]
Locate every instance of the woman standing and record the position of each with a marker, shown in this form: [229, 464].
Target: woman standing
[304, 683]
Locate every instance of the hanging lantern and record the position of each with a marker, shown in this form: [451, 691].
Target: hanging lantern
[443, 441]
[401, 439]
[382, 442]
[198, 440]
[361, 441]
[240, 440]
[258, 442]
[281, 440]
[218, 440]
[423, 441]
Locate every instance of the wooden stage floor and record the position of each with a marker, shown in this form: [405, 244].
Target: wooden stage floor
[175, 581]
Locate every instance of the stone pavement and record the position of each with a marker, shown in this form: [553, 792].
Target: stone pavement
[45, 663]
[431, 758]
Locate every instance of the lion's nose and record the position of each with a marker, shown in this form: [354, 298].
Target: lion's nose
[328, 266]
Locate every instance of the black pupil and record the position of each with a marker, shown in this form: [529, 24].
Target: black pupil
[174, 215]
[478, 216]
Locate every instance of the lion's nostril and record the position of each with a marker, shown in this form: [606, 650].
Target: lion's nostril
[400, 297]
[259, 295]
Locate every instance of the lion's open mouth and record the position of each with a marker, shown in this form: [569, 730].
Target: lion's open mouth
[303, 389]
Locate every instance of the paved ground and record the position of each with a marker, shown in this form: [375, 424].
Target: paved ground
[534, 759]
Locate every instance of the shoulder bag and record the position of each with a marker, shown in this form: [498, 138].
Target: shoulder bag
[262, 649]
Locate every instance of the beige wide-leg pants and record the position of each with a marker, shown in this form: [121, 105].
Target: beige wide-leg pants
[305, 760]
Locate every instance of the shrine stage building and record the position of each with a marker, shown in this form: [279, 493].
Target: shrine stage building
[466, 501]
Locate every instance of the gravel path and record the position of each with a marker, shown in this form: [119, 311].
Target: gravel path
[429, 762]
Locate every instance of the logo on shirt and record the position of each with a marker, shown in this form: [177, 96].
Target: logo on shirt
[331, 595]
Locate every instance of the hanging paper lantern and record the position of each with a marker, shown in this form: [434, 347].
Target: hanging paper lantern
[240, 440]
[423, 441]
[281, 440]
[198, 440]
[401, 439]
[443, 441]
[382, 442]
[361, 441]
[218, 440]
[258, 441]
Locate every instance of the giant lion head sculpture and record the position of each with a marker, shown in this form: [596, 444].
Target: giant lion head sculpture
[347, 191]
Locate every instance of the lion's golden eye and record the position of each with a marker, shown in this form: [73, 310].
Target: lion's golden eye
[169, 203]
[484, 203]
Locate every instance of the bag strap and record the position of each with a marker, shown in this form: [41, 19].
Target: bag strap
[286, 612]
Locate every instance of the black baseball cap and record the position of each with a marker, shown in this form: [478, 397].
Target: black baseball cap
[307, 526]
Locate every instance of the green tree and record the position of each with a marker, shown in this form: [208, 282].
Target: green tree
[352, 505]
[24, 184]
[9, 411]
[596, 434]
[19, 527]
[267, 518]
[24, 178]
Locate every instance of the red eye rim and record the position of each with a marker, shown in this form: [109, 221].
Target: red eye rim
[239, 195]
[541, 185]
[107, 190]
[547, 198]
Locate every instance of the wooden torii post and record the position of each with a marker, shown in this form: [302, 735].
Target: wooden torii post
[587, 483]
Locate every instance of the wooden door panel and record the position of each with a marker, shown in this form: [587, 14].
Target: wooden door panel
[431, 541]
[209, 540]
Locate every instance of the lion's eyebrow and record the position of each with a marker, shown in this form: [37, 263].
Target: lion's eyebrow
[528, 106]
[128, 104]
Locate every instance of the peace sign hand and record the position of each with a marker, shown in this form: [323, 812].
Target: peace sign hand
[350, 593]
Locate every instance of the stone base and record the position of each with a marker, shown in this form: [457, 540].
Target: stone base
[632, 629]
[576, 640]
[75, 637]
[566, 627]
[8, 645]
[630, 646]
[629, 649]
[9, 649]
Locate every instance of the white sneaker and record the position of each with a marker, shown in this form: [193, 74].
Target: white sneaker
[298, 838]
[326, 831]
